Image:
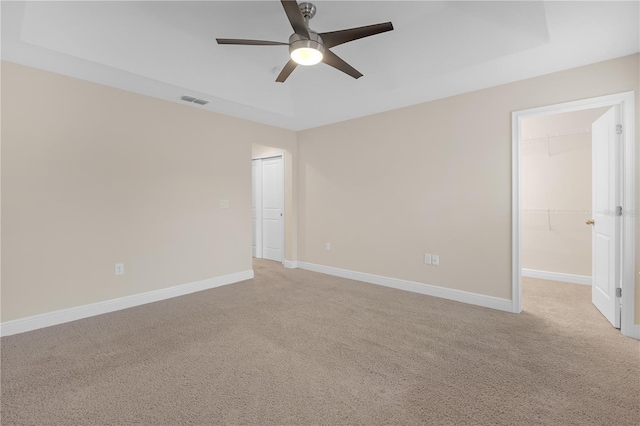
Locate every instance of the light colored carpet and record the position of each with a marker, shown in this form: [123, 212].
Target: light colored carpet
[297, 347]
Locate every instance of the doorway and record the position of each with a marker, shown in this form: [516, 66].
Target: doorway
[557, 215]
[611, 230]
[267, 206]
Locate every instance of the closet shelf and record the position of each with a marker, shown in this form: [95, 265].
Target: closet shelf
[554, 211]
[549, 212]
[548, 137]
[556, 135]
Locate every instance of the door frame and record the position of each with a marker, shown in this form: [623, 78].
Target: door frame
[626, 168]
[283, 222]
[254, 193]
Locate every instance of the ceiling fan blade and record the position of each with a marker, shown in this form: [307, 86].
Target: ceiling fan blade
[335, 38]
[296, 19]
[334, 60]
[249, 42]
[286, 71]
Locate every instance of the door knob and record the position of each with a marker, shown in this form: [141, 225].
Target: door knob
[590, 222]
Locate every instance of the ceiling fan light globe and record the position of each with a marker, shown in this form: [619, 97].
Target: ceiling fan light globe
[305, 51]
[306, 56]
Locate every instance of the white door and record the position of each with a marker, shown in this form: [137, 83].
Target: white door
[605, 234]
[256, 208]
[272, 208]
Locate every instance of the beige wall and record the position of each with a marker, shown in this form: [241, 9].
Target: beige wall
[289, 148]
[1, 194]
[434, 178]
[92, 176]
[556, 175]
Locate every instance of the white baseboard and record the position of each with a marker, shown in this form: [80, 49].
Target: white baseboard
[48, 319]
[556, 276]
[290, 264]
[634, 332]
[415, 287]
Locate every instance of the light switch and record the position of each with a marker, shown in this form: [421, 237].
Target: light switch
[224, 204]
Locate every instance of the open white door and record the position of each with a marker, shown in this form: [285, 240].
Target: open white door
[606, 222]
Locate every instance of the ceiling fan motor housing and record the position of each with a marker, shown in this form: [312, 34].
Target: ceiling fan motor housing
[315, 42]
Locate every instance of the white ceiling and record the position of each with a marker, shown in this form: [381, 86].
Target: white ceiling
[166, 49]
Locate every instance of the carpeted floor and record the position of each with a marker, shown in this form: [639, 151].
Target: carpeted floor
[297, 347]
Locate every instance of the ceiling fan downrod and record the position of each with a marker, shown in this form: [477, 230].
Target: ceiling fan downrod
[308, 11]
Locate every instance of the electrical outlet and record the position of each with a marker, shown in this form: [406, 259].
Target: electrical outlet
[435, 260]
[327, 246]
[427, 259]
[119, 268]
[224, 204]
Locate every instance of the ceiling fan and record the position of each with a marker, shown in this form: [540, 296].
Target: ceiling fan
[308, 47]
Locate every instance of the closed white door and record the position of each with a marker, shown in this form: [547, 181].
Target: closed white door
[256, 208]
[267, 207]
[272, 208]
[605, 236]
